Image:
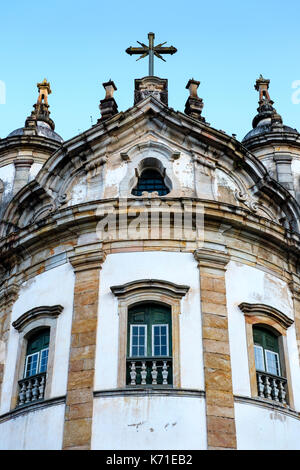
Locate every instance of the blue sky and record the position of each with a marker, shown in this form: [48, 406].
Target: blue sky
[78, 45]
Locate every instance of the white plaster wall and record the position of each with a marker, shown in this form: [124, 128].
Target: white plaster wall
[115, 175]
[53, 287]
[260, 428]
[184, 171]
[248, 284]
[78, 193]
[37, 430]
[223, 179]
[149, 423]
[176, 267]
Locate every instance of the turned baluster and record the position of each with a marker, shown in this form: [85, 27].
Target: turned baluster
[165, 373]
[42, 387]
[282, 393]
[132, 373]
[143, 373]
[22, 394]
[154, 373]
[28, 391]
[35, 389]
[267, 388]
[275, 390]
[260, 386]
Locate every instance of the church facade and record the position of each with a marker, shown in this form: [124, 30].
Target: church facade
[150, 279]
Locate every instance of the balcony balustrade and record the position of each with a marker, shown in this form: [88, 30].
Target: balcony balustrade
[271, 387]
[32, 389]
[149, 371]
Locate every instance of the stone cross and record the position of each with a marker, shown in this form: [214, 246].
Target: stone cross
[151, 51]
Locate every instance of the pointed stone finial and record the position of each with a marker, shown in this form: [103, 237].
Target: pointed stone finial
[108, 107]
[109, 88]
[41, 109]
[44, 91]
[266, 111]
[262, 86]
[194, 104]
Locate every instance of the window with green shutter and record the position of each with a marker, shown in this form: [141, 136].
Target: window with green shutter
[266, 350]
[37, 353]
[149, 344]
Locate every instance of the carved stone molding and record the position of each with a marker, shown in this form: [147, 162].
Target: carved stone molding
[154, 285]
[175, 156]
[36, 313]
[8, 295]
[205, 165]
[266, 311]
[211, 258]
[124, 156]
[245, 199]
[23, 162]
[295, 289]
[56, 401]
[87, 260]
[97, 162]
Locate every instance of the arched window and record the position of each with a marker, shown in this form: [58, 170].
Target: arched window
[149, 345]
[37, 342]
[37, 353]
[266, 351]
[149, 331]
[266, 331]
[150, 181]
[32, 386]
[269, 367]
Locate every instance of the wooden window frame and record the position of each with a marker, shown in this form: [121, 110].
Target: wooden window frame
[152, 339]
[28, 324]
[145, 341]
[267, 316]
[39, 353]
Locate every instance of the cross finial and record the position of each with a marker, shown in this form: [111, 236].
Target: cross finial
[151, 51]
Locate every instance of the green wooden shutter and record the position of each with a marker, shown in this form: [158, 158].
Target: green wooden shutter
[38, 342]
[266, 339]
[149, 314]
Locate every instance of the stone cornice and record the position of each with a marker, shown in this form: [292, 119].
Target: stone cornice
[266, 311]
[295, 289]
[76, 219]
[269, 404]
[34, 406]
[150, 391]
[154, 285]
[28, 142]
[23, 162]
[87, 260]
[36, 313]
[271, 138]
[211, 258]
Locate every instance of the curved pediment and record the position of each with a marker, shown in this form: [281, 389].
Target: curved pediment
[195, 160]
